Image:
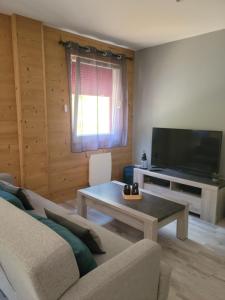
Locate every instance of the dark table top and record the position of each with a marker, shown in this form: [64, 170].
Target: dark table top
[154, 206]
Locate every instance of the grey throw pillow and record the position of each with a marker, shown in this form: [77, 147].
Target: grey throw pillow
[22, 195]
[87, 235]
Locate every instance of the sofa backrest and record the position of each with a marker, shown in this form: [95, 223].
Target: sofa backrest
[38, 263]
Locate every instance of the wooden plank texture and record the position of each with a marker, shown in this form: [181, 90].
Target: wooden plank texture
[34, 129]
[31, 102]
[69, 171]
[9, 150]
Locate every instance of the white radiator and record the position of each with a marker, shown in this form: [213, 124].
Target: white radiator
[100, 168]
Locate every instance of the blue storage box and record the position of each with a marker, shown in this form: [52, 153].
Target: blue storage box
[128, 174]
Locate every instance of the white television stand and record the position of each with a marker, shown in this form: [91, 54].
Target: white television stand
[205, 197]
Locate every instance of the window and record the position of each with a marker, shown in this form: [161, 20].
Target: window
[94, 99]
[98, 102]
[93, 115]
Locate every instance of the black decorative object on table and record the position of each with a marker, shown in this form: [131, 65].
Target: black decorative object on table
[126, 189]
[144, 162]
[135, 190]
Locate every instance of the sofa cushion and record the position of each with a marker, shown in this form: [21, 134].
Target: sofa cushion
[84, 258]
[11, 199]
[39, 264]
[87, 235]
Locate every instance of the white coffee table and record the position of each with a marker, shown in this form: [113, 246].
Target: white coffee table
[147, 215]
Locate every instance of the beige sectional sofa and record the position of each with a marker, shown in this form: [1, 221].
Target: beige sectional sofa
[37, 264]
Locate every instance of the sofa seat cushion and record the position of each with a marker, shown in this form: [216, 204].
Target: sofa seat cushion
[112, 243]
[11, 199]
[85, 259]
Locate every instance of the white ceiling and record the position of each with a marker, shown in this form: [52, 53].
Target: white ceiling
[132, 23]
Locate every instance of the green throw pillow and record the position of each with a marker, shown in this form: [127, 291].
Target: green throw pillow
[84, 258]
[18, 192]
[11, 199]
[87, 235]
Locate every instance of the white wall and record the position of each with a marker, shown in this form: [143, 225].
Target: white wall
[180, 85]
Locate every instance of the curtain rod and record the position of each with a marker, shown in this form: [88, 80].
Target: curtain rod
[107, 53]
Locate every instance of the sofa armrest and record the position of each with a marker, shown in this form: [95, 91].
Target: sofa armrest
[164, 281]
[131, 275]
[7, 177]
[39, 203]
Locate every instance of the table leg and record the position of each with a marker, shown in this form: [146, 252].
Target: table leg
[151, 230]
[182, 224]
[81, 205]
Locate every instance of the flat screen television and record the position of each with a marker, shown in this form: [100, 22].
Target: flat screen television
[190, 151]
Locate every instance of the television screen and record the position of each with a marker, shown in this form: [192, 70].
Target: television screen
[190, 151]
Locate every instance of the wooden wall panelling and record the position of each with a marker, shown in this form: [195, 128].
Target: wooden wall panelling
[69, 171]
[31, 102]
[35, 123]
[18, 97]
[9, 150]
